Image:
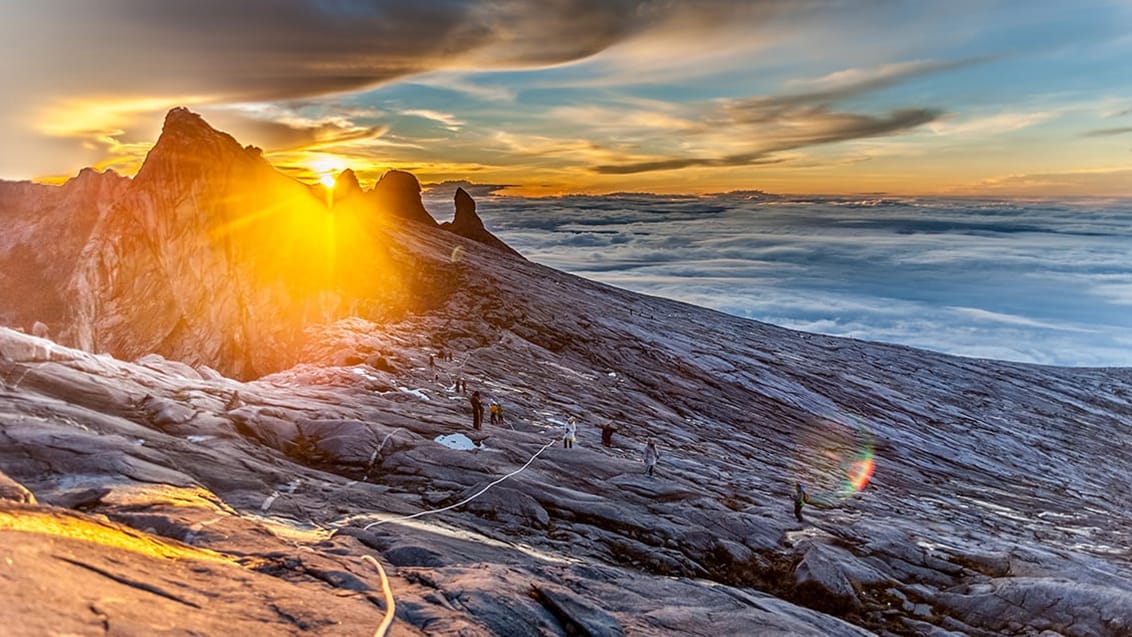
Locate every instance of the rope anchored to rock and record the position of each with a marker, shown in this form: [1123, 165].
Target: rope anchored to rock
[467, 499]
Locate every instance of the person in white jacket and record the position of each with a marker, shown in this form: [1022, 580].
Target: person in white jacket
[571, 433]
[651, 456]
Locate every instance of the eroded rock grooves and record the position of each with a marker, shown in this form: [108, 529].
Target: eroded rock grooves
[161, 494]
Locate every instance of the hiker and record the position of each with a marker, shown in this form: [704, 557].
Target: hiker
[801, 498]
[607, 433]
[39, 329]
[571, 432]
[493, 409]
[431, 361]
[477, 410]
[234, 402]
[499, 412]
[651, 456]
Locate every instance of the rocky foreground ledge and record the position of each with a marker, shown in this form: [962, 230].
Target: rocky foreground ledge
[154, 497]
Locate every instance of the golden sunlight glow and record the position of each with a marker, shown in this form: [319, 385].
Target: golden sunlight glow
[314, 259]
[104, 116]
[325, 165]
[68, 525]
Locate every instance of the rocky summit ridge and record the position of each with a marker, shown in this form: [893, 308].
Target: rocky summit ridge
[156, 492]
[211, 256]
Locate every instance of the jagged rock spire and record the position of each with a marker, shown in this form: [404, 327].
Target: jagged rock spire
[467, 223]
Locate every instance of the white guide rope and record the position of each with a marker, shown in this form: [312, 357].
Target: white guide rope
[469, 498]
[390, 606]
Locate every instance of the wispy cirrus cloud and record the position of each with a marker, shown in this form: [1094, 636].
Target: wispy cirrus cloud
[278, 131]
[759, 128]
[1110, 181]
[849, 82]
[1108, 132]
[448, 120]
[767, 132]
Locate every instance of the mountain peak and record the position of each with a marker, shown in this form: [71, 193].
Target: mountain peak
[182, 125]
[182, 118]
[346, 184]
[399, 193]
[91, 176]
[187, 142]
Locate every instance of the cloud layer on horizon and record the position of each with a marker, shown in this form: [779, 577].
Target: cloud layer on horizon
[1043, 282]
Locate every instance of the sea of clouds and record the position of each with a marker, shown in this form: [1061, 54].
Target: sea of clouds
[1034, 281]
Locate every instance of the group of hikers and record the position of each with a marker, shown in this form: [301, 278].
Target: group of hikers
[651, 453]
[444, 354]
[651, 456]
[495, 410]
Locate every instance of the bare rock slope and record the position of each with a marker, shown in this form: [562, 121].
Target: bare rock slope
[995, 507]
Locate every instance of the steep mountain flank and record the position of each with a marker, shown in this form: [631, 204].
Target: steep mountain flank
[214, 257]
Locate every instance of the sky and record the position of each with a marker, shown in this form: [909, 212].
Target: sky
[1033, 281]
[996, 98]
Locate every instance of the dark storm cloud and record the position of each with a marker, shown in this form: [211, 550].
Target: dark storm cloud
[279, 49]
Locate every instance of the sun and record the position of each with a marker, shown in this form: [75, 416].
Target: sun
[325, 168]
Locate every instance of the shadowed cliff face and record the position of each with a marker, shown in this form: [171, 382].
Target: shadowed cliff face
[214, 257]
[45, 229]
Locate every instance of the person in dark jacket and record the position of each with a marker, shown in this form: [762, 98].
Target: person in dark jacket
[607, 433]
[801, 498]
[477, 410]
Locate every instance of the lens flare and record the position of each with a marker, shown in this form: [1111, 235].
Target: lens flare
[834, 457]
